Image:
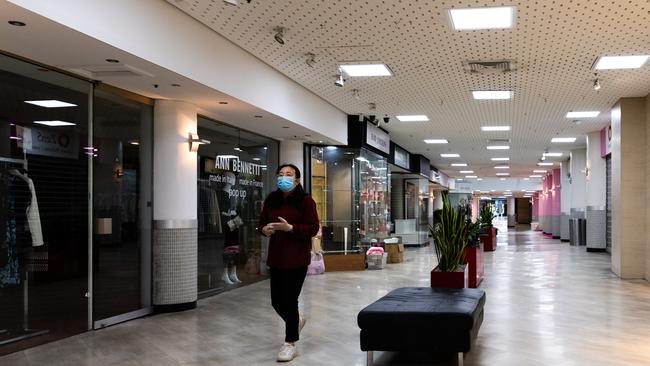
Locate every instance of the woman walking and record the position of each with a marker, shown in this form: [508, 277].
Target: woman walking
[290, 219]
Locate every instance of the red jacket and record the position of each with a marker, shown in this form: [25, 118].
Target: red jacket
[291, 249]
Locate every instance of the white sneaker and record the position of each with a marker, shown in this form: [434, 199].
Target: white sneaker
[301, 323]
[287, 352]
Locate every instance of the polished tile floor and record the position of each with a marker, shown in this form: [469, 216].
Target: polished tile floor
[548, 303]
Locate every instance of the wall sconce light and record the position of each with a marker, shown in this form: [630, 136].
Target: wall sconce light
[195, 141]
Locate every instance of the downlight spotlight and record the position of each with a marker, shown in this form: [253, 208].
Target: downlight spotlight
[596, 84]
[339, 81]
[311, 59]
[279, 34]
[231, 2]
[386, 119]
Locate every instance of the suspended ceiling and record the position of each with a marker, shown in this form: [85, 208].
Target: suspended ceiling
[553, 46]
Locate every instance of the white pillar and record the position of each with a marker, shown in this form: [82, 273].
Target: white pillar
[596, 195]
[292, 152]
[175, 206]
[578, 163]
[512, 219]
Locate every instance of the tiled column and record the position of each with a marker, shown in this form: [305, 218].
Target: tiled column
[175, 207]
[629, 188]
[511, 212]
[595, 195]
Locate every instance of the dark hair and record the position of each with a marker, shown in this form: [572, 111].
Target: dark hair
[276, 198]
[295, 169]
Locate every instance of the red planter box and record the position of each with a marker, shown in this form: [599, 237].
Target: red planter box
[476, 270]
[489, 239]
[456, 279]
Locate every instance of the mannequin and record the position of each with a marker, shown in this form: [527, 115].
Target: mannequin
[230, 222]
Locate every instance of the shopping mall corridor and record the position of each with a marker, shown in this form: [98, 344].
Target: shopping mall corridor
[548, 303]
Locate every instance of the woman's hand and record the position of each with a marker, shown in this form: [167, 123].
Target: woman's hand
[283, 225]
[268, 230]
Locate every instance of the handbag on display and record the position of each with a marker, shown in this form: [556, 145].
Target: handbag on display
[317, 265]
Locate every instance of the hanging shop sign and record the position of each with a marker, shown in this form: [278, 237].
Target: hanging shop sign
[401, 158]
[377, 138]
[60, 144]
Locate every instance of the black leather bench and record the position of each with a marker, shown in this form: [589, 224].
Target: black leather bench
[422, 319]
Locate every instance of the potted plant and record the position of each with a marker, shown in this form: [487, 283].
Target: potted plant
[474, 254]
[450, 238]
[489, 234]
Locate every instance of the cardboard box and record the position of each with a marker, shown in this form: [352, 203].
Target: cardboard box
[395, 253]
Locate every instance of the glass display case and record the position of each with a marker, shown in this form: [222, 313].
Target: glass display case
[351, 189]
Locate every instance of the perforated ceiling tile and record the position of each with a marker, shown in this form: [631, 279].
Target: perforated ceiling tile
[553, 45]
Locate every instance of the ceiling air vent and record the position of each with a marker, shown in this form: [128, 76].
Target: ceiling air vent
[498, 141]
[107, 71]
[489, 67]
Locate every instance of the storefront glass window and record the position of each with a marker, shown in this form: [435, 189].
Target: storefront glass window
[44, 159]
[351, 190]
[236, 172]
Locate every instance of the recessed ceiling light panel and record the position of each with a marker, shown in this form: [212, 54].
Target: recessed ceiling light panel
[482, 18]
[466, 172]
[366, 70]
[459, 164]
[583, 114]
[553, 154]
[620, 62]
[55, 123]
[413, 118]
[50, 103]
[563, 139]
[500, 159]
[491, 94]
[502, 167]
[436, 141]
[495, 128]
[498, 147]
[448, 155]
[545, 164]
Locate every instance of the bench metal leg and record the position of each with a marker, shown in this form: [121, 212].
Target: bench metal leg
[369, 360]
[460, 358]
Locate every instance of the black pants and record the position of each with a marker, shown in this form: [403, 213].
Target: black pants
[285, 289]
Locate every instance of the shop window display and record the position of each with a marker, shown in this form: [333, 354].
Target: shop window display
[235, 174]
[351, 191]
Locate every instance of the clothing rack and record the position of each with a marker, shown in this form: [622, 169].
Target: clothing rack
[25, 332]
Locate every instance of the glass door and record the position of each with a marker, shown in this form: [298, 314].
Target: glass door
[121, 207]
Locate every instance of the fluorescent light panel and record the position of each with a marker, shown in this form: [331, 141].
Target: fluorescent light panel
[563, 139]
[502, 167]
[552, 154]
[55, 123]
[466, 172]
[495, 128]
[436, 141]
[470, 176]
[500, 159]
[491, 94]
[450, 155]
[544, 164]
[498, 147]
[50, 103]
[413, 118]
[458, 164]
[582, 114]
[535, 176]
[620, 62]
[482, 18]
[539, 171]
[366, 70]
[502, 174]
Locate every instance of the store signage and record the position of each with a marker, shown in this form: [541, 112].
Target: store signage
[377, 138]
[606, 141]
[232, 163]
[61, 144]
[401, 157]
